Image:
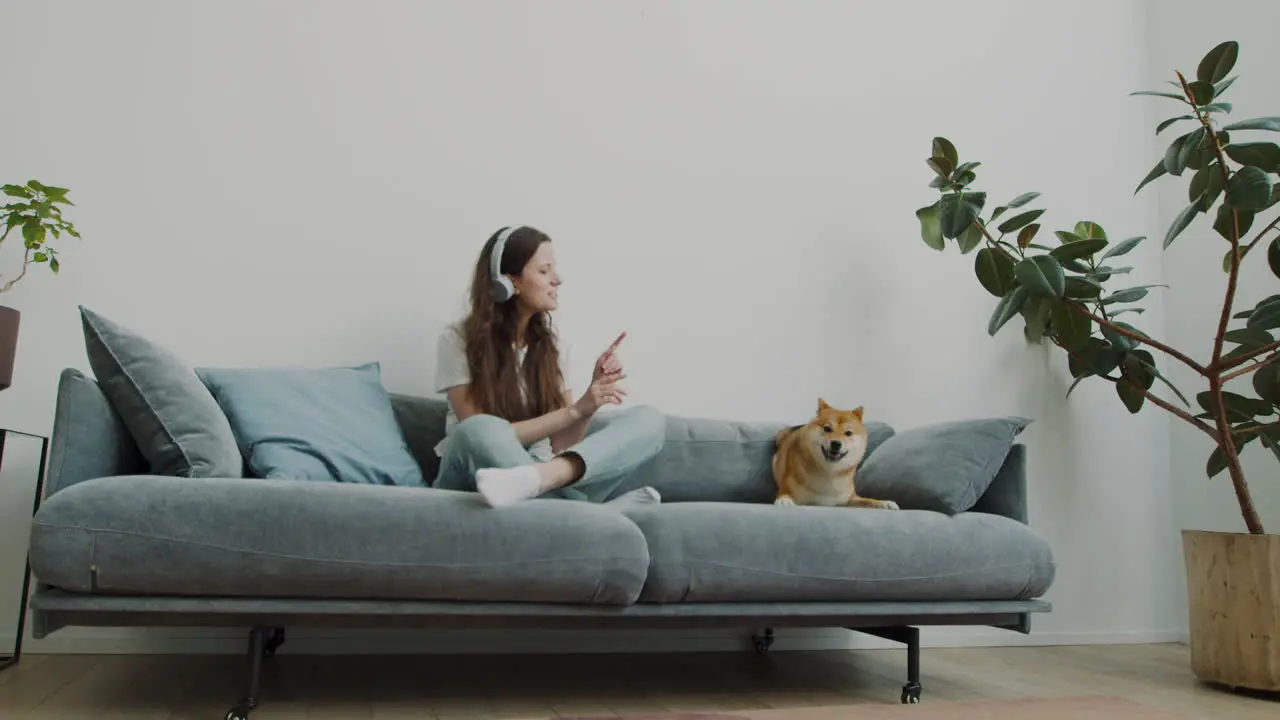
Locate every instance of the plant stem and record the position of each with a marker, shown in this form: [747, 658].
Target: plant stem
[1144, 339]
[1265, 230]
[1225, 440]
[1155, 399]
[1247, 370]
[26, 260]
[1241, 359]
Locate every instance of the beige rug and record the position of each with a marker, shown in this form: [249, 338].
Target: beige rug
[1068, 708]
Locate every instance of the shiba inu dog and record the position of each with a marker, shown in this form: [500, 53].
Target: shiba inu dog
[814, 464]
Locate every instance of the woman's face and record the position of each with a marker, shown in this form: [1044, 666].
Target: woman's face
[537, 284]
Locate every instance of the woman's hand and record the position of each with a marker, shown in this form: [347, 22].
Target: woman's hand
[608, 361]
[604, 391]
[604, 388]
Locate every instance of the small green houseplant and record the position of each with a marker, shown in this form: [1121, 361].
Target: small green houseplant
[34, 215]
[1061, 284]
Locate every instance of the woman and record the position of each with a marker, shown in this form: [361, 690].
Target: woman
[514, 429]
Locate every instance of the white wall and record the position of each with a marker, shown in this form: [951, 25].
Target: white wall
[1192, 266]
[733, 183]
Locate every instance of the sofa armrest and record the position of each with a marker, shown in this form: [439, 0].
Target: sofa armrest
[1007, 494]
[89, 439]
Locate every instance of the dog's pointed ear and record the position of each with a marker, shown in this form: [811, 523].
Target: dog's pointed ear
[857, 412]
[822, 405]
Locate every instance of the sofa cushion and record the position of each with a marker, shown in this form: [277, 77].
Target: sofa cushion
[250, 537]
[943, 467]
[708, 460]
[327, 424]
[726, 552]
[174, 420]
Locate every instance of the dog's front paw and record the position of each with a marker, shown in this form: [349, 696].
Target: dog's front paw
[889, 505]
[784, 500]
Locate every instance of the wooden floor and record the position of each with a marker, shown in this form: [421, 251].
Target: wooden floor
[72, 687]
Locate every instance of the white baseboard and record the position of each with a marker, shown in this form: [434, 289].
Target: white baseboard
[200, 641]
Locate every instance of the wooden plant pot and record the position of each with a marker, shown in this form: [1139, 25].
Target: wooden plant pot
[9, 320]
[1233, 601]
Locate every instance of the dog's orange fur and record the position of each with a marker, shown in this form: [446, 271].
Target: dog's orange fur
[805, 475]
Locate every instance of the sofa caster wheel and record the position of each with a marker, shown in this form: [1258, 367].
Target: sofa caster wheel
[763, 641]
[911, 693]
[239, 711]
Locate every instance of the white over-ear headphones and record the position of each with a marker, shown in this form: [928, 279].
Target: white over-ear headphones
[503, 289]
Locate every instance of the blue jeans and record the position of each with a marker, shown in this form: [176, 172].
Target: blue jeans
[612, 449]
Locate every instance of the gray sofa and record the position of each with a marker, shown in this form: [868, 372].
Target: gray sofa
[115, 545]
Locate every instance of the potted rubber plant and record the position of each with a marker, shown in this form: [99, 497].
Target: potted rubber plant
[1063, 286]
[34, 215]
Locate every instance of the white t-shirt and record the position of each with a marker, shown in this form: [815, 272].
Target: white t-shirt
[452, 370]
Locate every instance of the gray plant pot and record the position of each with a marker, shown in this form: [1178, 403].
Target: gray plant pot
[9, 320]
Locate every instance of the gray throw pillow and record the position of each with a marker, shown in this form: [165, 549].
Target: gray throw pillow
[943, 467]
[178, 426]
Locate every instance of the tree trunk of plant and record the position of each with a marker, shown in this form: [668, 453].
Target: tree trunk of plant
[1227, 442]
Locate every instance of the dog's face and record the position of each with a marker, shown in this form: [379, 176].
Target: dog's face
[837, 436]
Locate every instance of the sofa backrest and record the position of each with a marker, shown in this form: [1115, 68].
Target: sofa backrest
[701, 460]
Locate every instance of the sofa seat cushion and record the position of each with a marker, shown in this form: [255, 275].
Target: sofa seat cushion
[250, 537]
[728, 552]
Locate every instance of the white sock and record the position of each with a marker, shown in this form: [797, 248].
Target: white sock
[640, 496]
[507, 486]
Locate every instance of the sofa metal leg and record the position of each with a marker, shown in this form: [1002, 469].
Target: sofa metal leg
[909, 636]
[273, 642]
[763, 640]
[257, 649]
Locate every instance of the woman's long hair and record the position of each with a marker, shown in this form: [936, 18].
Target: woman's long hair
[489, 333]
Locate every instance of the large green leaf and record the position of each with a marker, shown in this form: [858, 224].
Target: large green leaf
[1157, 93]
[1077, 250]
[943, 148]
[1175, 160]
[1263, 155]
[1148, 360]
[1266, 382]
[1027, 234]
[930, 229]
[1121, 248]
[1131, 396]
[1073, 328]
[1118, 340]
[1249, 188]
[1156, 172]
[1262, 123]
[1036, 312]
[1216, 463]
[1020, 220]
[1265, 317]
[994, 270]
[1008, 306]
[1090, 230]
[1022, 199]
[1238, 406]
[971, 238]
[1206, 186]
[1164, 125]
[1181, 222]
[1249, 338]
[957, 211]
[1225, 225]
[1042, 276]
[1201, 92]
[1082, 288]
[1273, 256]
[1133, 294]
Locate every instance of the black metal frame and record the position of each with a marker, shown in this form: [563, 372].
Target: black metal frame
[7, 661]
